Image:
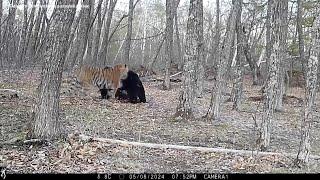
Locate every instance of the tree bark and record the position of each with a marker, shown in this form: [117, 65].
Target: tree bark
[127, 44]
[23, 36]
[200, 59]
[283, 31]
[300, 35]
[96, 41]
[103, 50]
[213, 112]
[192, 57]
[9, 49]
[236, 94]
[34, 36]
[175, 17]
[274, 87]
[169, 43]
[88, 52]
[1, 42]
[215, 52]
[46, 113]
[144, 41]
[255, 72]
[310, 95]
[30, 23]
[82, 35]
[44, 26]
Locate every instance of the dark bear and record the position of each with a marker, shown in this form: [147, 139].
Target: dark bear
[122, 94]
[131, 89]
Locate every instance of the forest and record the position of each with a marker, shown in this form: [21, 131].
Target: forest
[159, 86]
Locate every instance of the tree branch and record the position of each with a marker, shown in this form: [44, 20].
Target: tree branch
[190, 148]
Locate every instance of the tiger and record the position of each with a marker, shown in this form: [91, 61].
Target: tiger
[105, 79]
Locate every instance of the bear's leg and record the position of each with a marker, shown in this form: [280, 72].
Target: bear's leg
[141, 94]
[132, 96]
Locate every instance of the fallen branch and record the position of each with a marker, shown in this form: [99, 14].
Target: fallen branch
[175, 74]
[9, 91]
[190, 148]
[161, 79]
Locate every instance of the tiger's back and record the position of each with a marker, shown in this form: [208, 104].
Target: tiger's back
[103, 78]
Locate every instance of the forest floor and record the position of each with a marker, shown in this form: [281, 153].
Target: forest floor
[150, 122]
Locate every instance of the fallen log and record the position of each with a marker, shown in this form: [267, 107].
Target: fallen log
[9, 93]
[190, 148]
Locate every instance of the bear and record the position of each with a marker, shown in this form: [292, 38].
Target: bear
[131, 88]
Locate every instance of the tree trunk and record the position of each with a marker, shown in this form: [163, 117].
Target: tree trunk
[127, 44]
[169, 43]
[310, 94]
[88, 53]
[31, 23]
[214, 109]
[44, 26]
[273, 94]
[96, 41]
[300, 35]
[103, 50]
[34, 36]
[82, 35]
[215, 52]
[144, 41]
[46, 112]
[151, 64]
[200, 59]
[238, 79]
[9, 50]
[175, 17]
[22, 46]
[283, 30]
[253, 66]
[192, 57]
[1, 42]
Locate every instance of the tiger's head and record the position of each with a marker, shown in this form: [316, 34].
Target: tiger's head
[122, 69]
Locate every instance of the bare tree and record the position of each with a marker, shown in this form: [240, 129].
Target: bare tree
[34, 33]
[23, 35]
[274, 85]
[215, 48]
[310, 94]
[40, 40]
[1, 42]
[191, 58]
[300, 34]
[282, 54]
[238, 79]
[178, 41]
[31, 23]
[169, 42]
[88, 52]
[9, 48]
[200, 51]
[102, 54]
[46, 112]
[99, 21]
[82, 35]
[215, 104]
[127, 44]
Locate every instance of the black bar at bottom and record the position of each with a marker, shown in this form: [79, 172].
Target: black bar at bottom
[157, 176]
